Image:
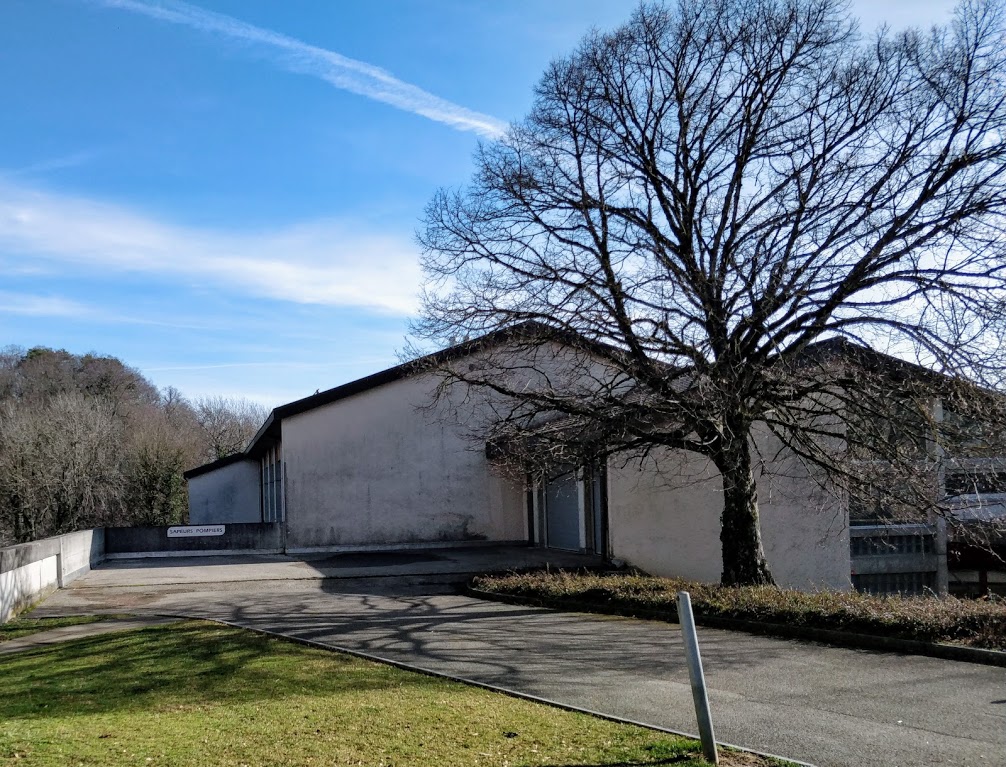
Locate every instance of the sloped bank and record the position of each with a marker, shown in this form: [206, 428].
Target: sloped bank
[954, 629]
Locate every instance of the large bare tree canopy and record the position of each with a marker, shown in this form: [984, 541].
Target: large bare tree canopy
[707, 192]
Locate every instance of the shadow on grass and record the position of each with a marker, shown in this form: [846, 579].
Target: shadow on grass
[26, 625]
[257, 695]
[163, 668]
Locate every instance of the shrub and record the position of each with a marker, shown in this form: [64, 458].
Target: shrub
[979, 623]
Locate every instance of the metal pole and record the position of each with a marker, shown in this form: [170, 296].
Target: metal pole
[697, 678]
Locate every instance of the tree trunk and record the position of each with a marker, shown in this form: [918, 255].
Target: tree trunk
[740, 534]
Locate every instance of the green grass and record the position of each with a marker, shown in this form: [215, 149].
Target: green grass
[23, 626]
[198, 693]
[973, 622]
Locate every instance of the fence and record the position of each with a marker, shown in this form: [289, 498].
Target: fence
[899, 559]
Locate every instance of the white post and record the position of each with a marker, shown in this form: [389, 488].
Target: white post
[697, 678]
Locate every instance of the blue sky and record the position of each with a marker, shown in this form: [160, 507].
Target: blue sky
[225, 195]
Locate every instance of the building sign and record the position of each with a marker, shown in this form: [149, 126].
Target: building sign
[195, 531]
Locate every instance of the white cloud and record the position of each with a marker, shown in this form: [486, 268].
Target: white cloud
[55, 306]
[297, 56]
[43, 306]
[329, 262]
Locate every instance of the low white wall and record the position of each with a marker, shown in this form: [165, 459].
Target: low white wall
[30, 571]
[226, 495]
[26, 584]
[79, 552]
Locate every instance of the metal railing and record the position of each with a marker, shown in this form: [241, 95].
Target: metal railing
[899, 559]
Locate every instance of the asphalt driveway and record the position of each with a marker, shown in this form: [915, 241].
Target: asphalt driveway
[825, 705]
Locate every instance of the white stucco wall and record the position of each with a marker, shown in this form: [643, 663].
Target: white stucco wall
[805, 527]
[226, 495]
[666, 521]
[375, 468]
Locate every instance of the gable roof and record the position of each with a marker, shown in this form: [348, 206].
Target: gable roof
[868, 359]
[270, 431]
[220, 463]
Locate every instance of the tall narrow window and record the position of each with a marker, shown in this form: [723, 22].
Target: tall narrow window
[272, 485]
[597, 495]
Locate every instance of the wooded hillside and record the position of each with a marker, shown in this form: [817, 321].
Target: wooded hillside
[86, 440]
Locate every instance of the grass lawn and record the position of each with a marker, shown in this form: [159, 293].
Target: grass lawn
[197, 693]
[973, 622]
[20, 627]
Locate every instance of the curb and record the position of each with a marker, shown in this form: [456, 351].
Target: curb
[485, 686]
[329, 647]
[826, 636]
[446, 577]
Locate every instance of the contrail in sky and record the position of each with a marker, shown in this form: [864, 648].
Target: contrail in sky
[338, 70]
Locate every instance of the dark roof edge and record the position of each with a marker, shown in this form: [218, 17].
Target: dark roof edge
[264, 429]
[529, 329]
[867, 356]
[419, 365]
[390, 375]
[217, 464]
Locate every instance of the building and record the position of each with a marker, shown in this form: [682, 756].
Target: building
[373, 465]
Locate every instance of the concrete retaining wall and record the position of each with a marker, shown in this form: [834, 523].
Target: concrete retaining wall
[29, 571]
[237, 538]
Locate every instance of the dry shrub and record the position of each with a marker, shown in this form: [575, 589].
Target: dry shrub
[975, 622]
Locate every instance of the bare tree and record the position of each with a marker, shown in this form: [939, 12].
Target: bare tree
[40, 373]
[697, 199]
[228, 424]
[60, 466]
[158, 449]
[86, 440]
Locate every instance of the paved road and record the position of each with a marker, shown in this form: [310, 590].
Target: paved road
[828, 706]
